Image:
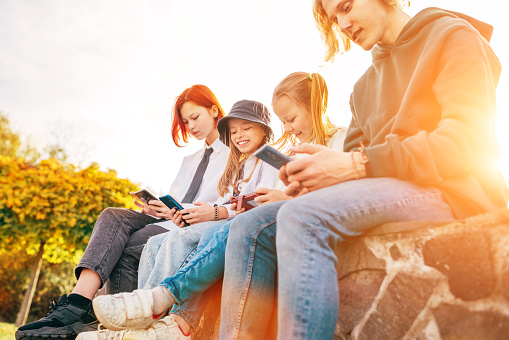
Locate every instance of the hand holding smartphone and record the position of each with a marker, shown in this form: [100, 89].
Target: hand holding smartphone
[246, 201]
[270, 155]
[144, 196]
[172, 203]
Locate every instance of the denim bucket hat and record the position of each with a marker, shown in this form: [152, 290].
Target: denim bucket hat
[249, 110]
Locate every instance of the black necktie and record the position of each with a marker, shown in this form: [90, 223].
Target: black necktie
[198, 177]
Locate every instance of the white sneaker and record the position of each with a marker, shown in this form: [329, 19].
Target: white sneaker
[126, 310]
[101, 334]
[164, 329]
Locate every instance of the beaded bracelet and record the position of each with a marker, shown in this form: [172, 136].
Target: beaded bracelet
[216, 213]
[362, 150]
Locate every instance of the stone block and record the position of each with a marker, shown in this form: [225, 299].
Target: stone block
[400, 304]
[465, 259]
[505, 282]
[352, 305]
[459, 323]
[355, 256]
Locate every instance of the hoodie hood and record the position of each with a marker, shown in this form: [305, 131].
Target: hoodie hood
[452, 20]
[433, 13]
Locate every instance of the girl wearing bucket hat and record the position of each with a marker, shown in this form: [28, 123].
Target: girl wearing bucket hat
[244, 130]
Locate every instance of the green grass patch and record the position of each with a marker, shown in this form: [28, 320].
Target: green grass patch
[7, 331]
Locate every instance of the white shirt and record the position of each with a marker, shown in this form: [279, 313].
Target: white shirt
[208, 188]
[264, 176]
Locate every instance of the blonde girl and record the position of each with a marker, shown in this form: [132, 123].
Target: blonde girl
[300, 102]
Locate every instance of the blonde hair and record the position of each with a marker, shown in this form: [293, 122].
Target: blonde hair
[308, 90]
[331, 33]
[231, 174]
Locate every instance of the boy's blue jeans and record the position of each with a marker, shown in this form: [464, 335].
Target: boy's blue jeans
[309, 229]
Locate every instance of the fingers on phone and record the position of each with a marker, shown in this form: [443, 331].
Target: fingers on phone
[262, 191]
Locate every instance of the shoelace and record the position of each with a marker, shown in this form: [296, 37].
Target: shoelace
[53, 306]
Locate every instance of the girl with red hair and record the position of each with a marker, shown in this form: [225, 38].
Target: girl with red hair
[119, 235]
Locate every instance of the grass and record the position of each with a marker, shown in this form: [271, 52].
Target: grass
[7, 331]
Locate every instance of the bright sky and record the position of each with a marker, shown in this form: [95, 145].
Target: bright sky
[103, 75]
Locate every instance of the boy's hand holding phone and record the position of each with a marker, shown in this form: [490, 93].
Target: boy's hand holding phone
[322, 168]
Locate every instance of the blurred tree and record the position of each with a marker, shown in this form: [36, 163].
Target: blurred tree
[50, 208]
[15, 267]
[10, 142]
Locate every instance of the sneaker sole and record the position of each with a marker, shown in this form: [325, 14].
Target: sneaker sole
[68, 332]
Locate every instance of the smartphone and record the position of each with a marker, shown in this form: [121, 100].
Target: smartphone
[270, 155]
[247, 202]
[171, 203]
[144, 196]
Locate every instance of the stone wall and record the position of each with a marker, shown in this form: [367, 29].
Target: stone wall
[419, 280]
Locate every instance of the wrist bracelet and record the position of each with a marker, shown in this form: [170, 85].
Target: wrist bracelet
[216, 213]
[362, 150]
[354, 167]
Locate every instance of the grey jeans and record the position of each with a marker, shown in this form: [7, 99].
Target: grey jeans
[115, 247]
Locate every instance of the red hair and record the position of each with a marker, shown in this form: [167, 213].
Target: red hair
[200, 95]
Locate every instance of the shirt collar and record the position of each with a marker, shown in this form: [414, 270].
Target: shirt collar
[217, 145]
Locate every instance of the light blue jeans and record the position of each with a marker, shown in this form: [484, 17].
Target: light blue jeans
[166, 253]
[309, 229]
[203, 270]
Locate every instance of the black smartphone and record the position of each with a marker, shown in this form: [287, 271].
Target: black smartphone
[144, 196]
[171, 203]
[270, 155]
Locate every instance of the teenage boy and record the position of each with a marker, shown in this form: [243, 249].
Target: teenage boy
[421, 145]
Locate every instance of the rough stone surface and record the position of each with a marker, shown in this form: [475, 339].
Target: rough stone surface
[395, 253]
[457, 322]
[353, 305]
[403, 300]
[419, 280]
[505, 282]
[465, 259]
[354, 256]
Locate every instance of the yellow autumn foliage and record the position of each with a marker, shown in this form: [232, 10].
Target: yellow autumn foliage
[55, 203]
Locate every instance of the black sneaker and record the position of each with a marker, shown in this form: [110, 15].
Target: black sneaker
[65, 321]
